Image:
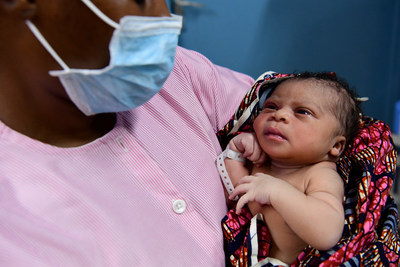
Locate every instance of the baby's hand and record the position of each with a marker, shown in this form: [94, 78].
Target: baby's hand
[256, 188]
[247, 144]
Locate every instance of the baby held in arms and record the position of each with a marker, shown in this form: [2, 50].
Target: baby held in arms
[304, 126]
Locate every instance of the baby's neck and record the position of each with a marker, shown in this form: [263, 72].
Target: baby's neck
[277, 168]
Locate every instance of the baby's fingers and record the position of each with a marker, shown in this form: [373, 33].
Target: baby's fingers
[236, 192]
[243, 200]
[246, 179]
[259, 162]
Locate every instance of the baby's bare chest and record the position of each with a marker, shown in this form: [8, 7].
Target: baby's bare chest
[284, 239]
[298, 179]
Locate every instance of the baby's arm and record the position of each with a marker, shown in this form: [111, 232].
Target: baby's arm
[316, 216]
[247, 144]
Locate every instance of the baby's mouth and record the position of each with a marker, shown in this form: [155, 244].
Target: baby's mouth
[274, 134]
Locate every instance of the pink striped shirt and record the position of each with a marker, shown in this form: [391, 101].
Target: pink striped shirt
[145, 194]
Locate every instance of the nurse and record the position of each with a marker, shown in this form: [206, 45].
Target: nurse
[107, 137]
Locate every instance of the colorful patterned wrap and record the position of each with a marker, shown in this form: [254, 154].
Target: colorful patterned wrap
[370, 236]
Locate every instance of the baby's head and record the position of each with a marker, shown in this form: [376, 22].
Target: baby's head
[307, 118]
[344, 103]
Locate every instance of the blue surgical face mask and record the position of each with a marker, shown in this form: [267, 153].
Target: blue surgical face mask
[142, 52]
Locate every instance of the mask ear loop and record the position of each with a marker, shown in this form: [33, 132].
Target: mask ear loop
[46, 45]
[100, 14]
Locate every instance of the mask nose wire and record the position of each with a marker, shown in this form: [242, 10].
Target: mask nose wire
[100, 14]
[46, 45]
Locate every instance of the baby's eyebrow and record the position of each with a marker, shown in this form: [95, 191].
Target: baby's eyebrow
[308, 104]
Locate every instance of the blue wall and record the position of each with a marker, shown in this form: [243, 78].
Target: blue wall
[359, 39]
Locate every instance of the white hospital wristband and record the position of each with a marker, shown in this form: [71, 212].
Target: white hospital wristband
[227, 153]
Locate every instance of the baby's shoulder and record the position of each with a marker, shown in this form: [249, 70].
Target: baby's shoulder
[327, 166]
[323, 168]
[323, 174]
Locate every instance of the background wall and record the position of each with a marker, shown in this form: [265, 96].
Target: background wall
[358, 39]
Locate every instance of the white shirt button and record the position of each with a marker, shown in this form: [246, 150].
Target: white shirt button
[179, 206]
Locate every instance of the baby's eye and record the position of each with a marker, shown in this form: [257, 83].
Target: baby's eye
[304, 112]
[269, 106]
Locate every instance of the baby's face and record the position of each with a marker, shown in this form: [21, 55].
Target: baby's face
[296, 124]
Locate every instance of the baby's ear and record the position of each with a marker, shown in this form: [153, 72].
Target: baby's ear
[338, 146]
[24, 9]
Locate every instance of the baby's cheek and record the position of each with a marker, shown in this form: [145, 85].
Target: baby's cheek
[257, 125]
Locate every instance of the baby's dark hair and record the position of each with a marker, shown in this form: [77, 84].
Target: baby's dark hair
[346, 108]
[140, 2]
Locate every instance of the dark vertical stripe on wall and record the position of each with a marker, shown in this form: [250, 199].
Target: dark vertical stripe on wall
[394, 68]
